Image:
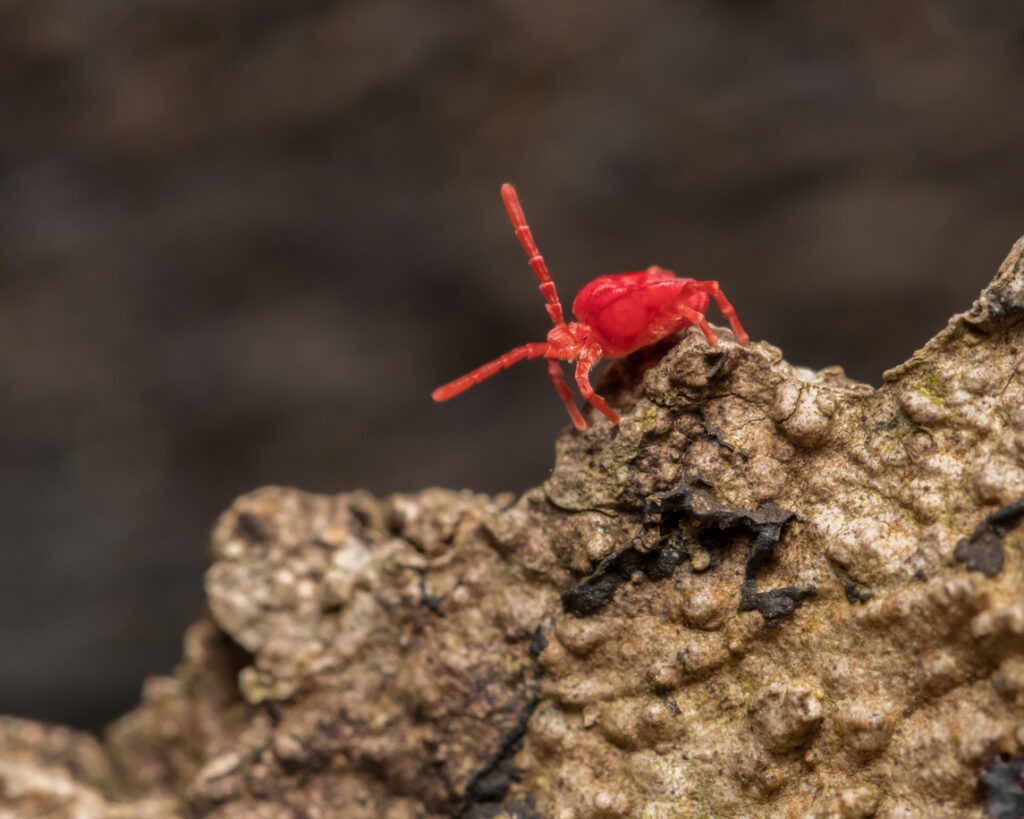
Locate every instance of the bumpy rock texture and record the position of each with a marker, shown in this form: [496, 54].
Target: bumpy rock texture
[768, 592]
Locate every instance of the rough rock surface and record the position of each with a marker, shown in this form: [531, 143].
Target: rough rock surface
[768, 592]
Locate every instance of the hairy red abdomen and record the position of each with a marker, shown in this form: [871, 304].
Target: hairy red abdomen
[627, 311]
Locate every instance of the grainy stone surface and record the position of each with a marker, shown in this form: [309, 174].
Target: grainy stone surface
[768, 592]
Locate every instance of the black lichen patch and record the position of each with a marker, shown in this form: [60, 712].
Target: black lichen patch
[1002, 303]
[1004, 798]
[983, 550]
[690, 508]
[488, 786]
[774, 604]
[598, 589]
[688, 503]
[428, 600]
[539, 642]
[525, 808]
[855, 593]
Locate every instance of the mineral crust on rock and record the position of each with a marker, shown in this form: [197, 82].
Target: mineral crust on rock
[767, 592]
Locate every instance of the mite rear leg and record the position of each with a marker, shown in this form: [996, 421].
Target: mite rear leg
[713, 290]
[686, 312]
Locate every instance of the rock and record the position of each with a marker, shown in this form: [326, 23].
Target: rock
[768, 592]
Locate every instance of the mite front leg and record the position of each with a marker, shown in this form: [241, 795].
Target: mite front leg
[485, 371]
[555, 373]
[583, 367]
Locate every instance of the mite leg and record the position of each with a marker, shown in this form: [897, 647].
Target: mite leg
[540, 268]
[713, 290]
[471, 379]
[555, 373]
[583, 367]
[692, 316]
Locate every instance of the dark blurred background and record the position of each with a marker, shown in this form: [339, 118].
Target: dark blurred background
[241, 241]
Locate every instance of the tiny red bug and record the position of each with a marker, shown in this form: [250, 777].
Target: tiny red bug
[618, 314]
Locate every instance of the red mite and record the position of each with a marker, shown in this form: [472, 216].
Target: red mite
[618, 314]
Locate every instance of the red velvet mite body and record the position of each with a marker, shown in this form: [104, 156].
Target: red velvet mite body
[617, 315]
[627, 311]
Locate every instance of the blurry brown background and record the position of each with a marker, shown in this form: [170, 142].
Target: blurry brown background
[241, 241]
